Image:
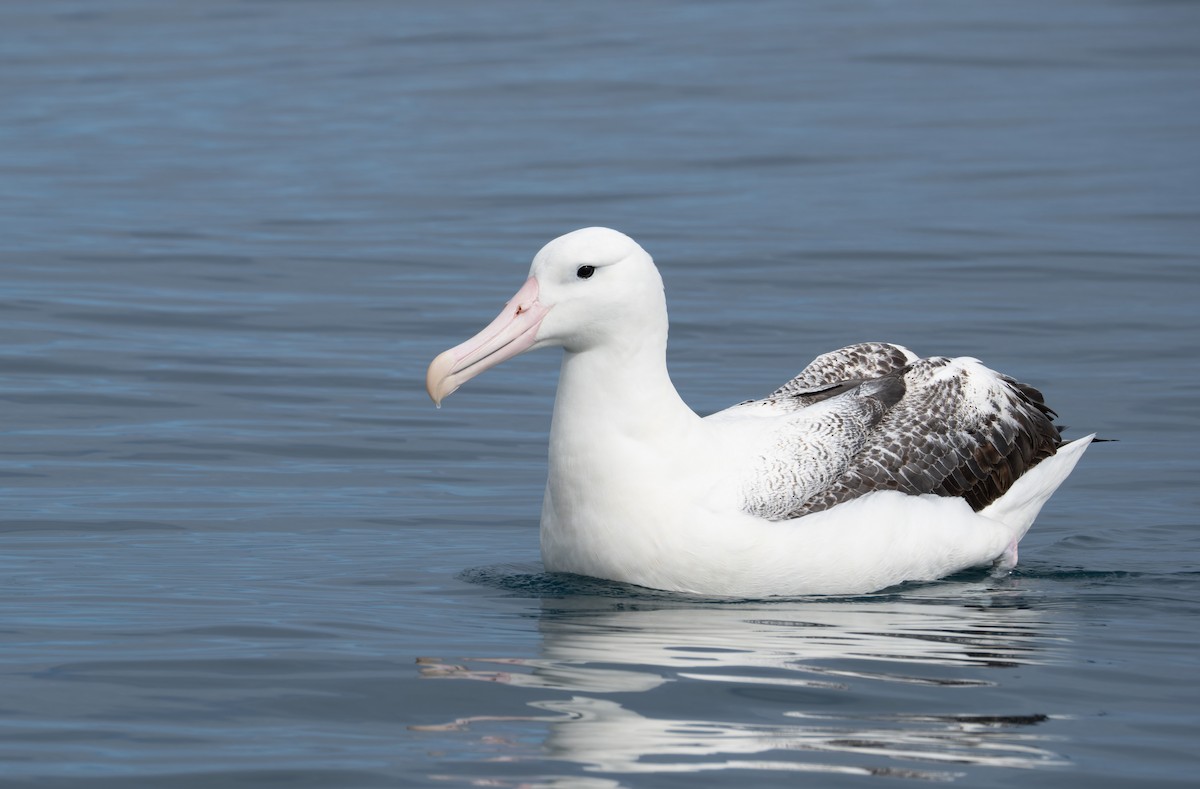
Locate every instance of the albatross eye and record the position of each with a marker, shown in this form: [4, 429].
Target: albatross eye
[585, 272]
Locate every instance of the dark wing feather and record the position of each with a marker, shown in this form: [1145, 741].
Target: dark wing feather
[835, 373]
[960, 430]
[854, 363]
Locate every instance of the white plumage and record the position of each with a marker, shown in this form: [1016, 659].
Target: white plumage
[870, 468]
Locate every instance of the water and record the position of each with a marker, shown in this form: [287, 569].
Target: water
[240, 548]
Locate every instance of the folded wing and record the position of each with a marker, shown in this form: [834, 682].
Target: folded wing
[873, 417]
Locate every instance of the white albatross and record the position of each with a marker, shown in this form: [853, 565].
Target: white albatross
[870, 468]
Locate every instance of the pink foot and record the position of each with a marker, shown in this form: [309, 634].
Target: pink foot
[1004, 563]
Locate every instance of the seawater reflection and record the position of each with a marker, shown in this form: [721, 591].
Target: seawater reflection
[801, 663]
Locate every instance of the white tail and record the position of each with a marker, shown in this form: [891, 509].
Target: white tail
[1021, 504]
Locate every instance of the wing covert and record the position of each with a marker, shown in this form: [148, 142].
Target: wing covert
[960, 430]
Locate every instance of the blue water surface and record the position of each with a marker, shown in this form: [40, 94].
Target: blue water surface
[240, 547]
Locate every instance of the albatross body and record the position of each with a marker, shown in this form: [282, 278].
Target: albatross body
[870, 468]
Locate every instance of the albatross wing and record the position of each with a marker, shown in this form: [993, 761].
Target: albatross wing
[874, 417]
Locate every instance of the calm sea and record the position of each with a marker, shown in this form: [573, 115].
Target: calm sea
[240, 548]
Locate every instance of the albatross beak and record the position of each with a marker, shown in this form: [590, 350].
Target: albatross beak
[513, 331]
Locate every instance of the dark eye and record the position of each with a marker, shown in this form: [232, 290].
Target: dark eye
[585, 272]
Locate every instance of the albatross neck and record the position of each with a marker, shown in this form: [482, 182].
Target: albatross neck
[620, 388]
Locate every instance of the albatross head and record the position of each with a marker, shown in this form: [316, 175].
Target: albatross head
[587, 289]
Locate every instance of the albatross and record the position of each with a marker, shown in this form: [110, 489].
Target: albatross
[870, 468]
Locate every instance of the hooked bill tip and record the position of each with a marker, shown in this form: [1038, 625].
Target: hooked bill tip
[437, 378]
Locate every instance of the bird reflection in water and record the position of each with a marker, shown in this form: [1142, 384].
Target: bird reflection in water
[824, 659]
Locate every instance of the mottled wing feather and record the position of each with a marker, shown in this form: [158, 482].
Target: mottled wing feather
[817, 446]
[960, 430]
[859, 362]
[832, 374]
